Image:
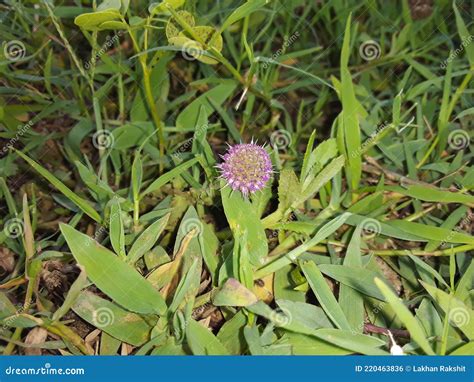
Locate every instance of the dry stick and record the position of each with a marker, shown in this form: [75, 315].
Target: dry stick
[370, 328]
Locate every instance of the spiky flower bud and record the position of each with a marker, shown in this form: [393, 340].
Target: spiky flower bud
[247, 167]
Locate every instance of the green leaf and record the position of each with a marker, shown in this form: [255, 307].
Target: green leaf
[117, 234]
[457, 313]
[92, 21]
[165, 178]
[241, 216]
[289, 189]
[243, 11]
[202, 341]
[350, 114]
[188, 286]
[71, 297]
[466, 37]
[218, 95]
[350, 299]
[358, 278]
[233, 293]
[324, 176]
[324, 295]
[416, 331]
[118, 280]
[147, 239]
[323, 233]
[433, 194]
[109, 317]
[162, 7]
[77, 200]
[357, 343]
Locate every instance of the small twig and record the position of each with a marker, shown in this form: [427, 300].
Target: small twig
[371, 328]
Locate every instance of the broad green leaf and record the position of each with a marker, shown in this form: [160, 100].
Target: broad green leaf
[111, 275]
[231, 333]
[467, 349]
[91, 21]
[202, 341]
[147, 239]
[416, 331]
[241, 216]
[232, 293]
[105, 315]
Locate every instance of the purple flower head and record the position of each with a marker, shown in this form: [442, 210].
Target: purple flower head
[247, 167]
